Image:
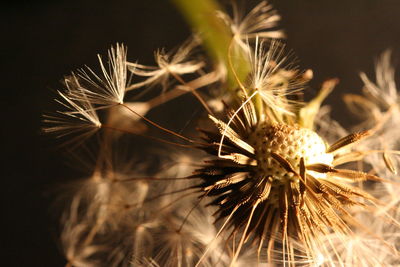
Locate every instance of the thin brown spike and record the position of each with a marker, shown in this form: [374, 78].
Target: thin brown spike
[321, 168]
[343, 173]
[283, 162]
[266, 189]
[348, 140]
[356, 175]
[303, 182]
[348, 157]
[283, 206]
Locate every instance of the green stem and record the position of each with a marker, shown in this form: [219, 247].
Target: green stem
[216, 35]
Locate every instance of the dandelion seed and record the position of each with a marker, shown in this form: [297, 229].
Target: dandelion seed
[107, 89]
[384, 92]
[75, 230]
[271, 78]
[380, 97]
[173, 63]
[80, 119]
[183, 246]
[381, 101]
[260, 22]
[328, 128]
[108, 207]
[360, 248]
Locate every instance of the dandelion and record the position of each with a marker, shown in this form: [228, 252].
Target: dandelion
[275, 179]
[271, 181]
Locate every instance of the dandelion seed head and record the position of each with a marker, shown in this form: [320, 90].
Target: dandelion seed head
[278, 182]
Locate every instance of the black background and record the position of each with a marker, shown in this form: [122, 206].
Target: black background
[44, 40]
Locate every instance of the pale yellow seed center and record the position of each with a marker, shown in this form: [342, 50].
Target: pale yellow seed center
[292, 144]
